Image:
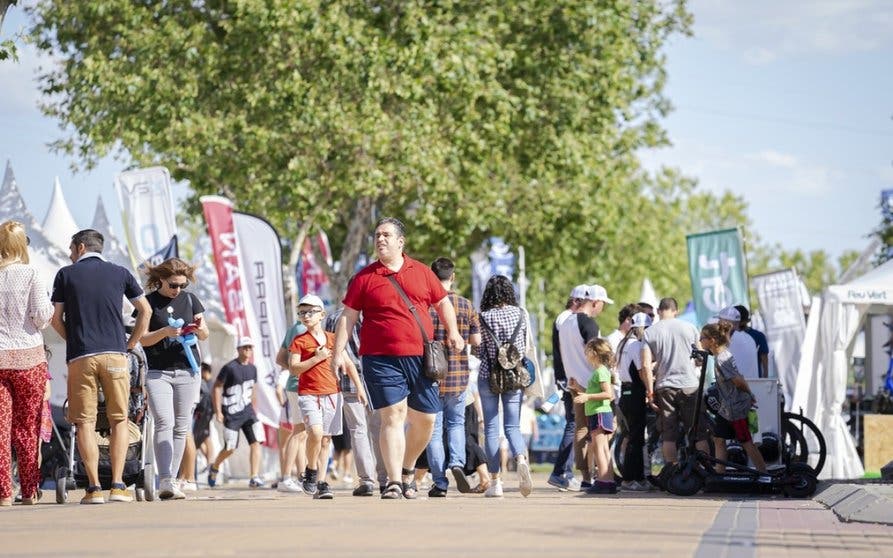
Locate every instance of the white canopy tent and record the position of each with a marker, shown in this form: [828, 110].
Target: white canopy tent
[834, 321]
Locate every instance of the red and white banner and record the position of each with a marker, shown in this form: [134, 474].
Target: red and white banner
[261, 260]
[225, 244]
[311, 276]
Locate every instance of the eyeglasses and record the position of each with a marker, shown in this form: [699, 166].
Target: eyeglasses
[178, 285]
[303, 313]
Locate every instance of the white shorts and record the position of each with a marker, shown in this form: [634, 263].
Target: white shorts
[253, 430]
[323, 410]
[294, 408]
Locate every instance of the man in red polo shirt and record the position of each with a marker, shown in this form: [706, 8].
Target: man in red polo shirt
[391, 348]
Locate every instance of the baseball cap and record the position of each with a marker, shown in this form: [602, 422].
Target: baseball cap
[599, 293]
[245, 342]
[580, 291]
[311, 300]
[730, 314]
[641, 319]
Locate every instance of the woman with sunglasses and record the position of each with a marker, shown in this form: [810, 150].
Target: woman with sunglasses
[25, 309]
[172, 383]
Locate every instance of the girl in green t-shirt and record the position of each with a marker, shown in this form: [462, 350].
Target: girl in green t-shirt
[597, 402]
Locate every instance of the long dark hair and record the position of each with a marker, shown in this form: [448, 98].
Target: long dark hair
[498, 292]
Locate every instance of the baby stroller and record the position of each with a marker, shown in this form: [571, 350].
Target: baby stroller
[139, 468]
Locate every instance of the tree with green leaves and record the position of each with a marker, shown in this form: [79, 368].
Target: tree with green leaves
[464, 118]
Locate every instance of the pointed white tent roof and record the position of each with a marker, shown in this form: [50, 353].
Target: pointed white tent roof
[648, 294]
[59, 225]
[113, 250]
[45, 256]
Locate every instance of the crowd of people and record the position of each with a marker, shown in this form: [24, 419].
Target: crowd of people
[357, 376]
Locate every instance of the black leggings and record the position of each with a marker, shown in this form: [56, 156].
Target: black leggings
[632, 403]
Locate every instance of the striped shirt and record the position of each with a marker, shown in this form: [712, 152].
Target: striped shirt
[456, 379]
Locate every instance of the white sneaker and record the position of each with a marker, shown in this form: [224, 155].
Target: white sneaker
[289, 485]
[188, 486]
[495, 490]
[169, 489]
[525, 483]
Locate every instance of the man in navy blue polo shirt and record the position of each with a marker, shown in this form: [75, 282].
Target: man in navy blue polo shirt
[88, 314]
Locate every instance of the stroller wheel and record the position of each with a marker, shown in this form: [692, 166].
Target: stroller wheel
[140, 494]
[149, 482]
[61, 478]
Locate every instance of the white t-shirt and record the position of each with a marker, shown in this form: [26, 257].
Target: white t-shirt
[573, 333]
[744, 351]
[632, 354]
[614, 338]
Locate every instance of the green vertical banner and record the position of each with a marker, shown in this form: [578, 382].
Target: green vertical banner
[718, 271]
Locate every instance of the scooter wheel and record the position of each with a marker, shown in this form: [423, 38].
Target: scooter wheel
[684, 482]
[800, 481]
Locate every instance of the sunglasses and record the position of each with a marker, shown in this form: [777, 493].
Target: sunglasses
[303, 313]
[27, 240]
[177, 285]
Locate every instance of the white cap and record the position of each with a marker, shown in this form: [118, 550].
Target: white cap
[730, 314]
[641, 319]
[580, 291]
[599, 293]
[245, 342]
[311, 300]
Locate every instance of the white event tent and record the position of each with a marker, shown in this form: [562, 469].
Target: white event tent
[834, 321]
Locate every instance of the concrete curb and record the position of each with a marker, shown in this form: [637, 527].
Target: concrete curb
[864, 503]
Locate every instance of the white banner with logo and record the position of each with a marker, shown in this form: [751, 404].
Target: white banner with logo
[782, 310]
[147, 212]
[261, 261]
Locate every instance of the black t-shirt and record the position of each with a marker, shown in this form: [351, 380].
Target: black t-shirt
[92, 290]
[168, 353]
[238, 385]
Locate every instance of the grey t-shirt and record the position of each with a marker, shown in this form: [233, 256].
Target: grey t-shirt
[670, 342]
[734, 403]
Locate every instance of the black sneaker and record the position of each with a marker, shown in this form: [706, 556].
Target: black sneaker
[600, 487]
[364, 489]
[309, 486]
[323, 492]
[437, 492]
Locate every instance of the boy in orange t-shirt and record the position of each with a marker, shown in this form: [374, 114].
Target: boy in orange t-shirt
[319, 397]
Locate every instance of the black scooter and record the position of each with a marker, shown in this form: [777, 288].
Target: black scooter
[696, 469]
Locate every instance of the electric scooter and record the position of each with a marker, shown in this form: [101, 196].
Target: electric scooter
[696, 469]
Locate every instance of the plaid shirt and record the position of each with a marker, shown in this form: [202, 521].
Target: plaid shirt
[502, 321]
[456, 379]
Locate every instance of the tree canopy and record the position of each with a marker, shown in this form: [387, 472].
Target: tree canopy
[519, 118]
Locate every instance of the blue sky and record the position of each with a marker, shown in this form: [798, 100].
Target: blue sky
[786, 104]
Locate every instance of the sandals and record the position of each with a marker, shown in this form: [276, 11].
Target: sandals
[480, 488]
[393, 491]
[410, 491]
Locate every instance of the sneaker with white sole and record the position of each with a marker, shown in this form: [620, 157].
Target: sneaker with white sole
[120, 494]
[188, 486]
[256, 482]
[169, 489]
[93, 496]
[289, 485]
[525, 483]
[495, 490]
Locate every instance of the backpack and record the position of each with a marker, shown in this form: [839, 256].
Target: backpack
[510, 371]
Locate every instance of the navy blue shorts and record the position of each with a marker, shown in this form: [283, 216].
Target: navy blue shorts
[391, 379]
[604, 420]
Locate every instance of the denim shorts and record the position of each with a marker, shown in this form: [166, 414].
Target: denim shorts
[604, 420]
[391, 379]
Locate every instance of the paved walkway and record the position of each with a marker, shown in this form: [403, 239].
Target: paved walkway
[236, 521]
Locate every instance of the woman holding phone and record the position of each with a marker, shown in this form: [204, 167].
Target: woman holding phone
[173, 361]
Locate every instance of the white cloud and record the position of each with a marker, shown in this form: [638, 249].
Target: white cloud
[774, 158]
[766, 30]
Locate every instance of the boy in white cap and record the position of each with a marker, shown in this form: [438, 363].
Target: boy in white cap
[319, 395]
[234, 399]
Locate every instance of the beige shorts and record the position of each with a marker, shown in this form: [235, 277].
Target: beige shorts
[86, 374]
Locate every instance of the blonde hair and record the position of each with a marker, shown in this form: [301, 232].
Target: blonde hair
[168, 268]
[13, 244]
[598, 352]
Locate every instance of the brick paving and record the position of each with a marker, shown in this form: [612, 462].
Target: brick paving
[236, 521]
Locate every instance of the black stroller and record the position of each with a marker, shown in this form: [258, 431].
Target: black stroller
[139, 468]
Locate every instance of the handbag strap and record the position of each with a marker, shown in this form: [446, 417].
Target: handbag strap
[493, 334]
[411, 306]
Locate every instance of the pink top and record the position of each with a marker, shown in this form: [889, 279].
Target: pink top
[25, 309]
